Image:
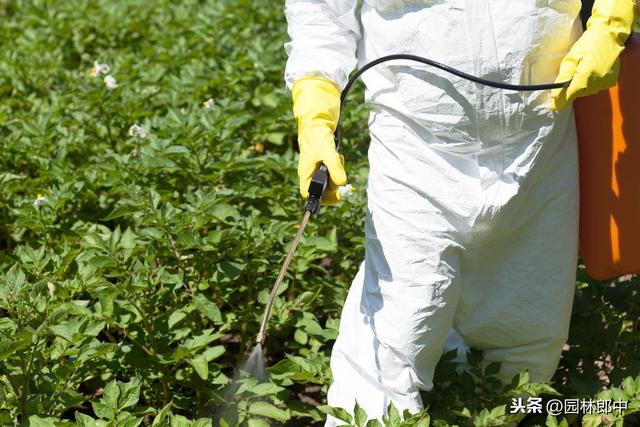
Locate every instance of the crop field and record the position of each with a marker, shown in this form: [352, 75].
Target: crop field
[148, 195]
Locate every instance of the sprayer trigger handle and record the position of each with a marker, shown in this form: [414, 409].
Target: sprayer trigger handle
[319, 182]
[317, 187]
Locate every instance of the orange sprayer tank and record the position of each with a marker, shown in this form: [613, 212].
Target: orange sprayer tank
[609, 146]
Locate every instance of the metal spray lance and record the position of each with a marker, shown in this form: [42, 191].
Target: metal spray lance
[318, 185]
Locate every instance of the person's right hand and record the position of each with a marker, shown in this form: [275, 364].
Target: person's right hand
[316, 106]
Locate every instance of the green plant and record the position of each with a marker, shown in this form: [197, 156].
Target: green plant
[135, 261]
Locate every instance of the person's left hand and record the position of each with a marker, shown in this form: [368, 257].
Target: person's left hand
[592, 63]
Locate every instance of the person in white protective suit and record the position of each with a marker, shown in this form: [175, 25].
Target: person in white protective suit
[471, 228]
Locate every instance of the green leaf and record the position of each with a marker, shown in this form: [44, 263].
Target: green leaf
[225, 213]
[214, 352]
[269, 410]
[128, 240]
[101, 261]
[107, 296]
[162, 416]
[175, 318]
[119, 212]
[126, 419]
[129, 393]
[483, 418]
[629, 387]
[492, 369]
[423, 421]
[19, 341]
[360, 416]
[200, 341]
[276, 138]
[265, 389]
[152, 232]
[465, 412]
[523, 378]
[553, 422]
[179, 421]
[94, 240]
[68, 330]
[208, 309]
[177, 149]
[300, 337]
[310, 326]
[231, 270]
[498, 411]
[111, 394]
[393, 415]
[83, 420]
[201, 366]
[104, 410]
[257, 422]
[36, 421]
[324, 244]
[591, 420]
[338, 413]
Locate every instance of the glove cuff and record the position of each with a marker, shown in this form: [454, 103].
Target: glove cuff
[615, 17]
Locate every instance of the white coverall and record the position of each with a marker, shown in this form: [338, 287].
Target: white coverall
[472, 192]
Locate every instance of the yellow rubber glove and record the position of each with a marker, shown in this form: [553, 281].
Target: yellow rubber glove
[592, 62]
[316, 106]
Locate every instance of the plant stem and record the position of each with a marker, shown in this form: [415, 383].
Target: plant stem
[25, 390]
[105, 119]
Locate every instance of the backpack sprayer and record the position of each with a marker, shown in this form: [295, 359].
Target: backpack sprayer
[320, 178]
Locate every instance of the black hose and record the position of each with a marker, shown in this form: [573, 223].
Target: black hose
[407, 57]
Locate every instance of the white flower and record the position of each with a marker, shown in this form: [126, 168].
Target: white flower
[40, 200]
[208, 104]
[138, 131]
[346, 190]
[111, 82]
[98, 69]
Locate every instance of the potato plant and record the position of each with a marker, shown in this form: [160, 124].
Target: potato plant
[148, 195]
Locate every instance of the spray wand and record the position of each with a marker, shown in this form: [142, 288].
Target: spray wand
[319, 182]
[320, 178]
